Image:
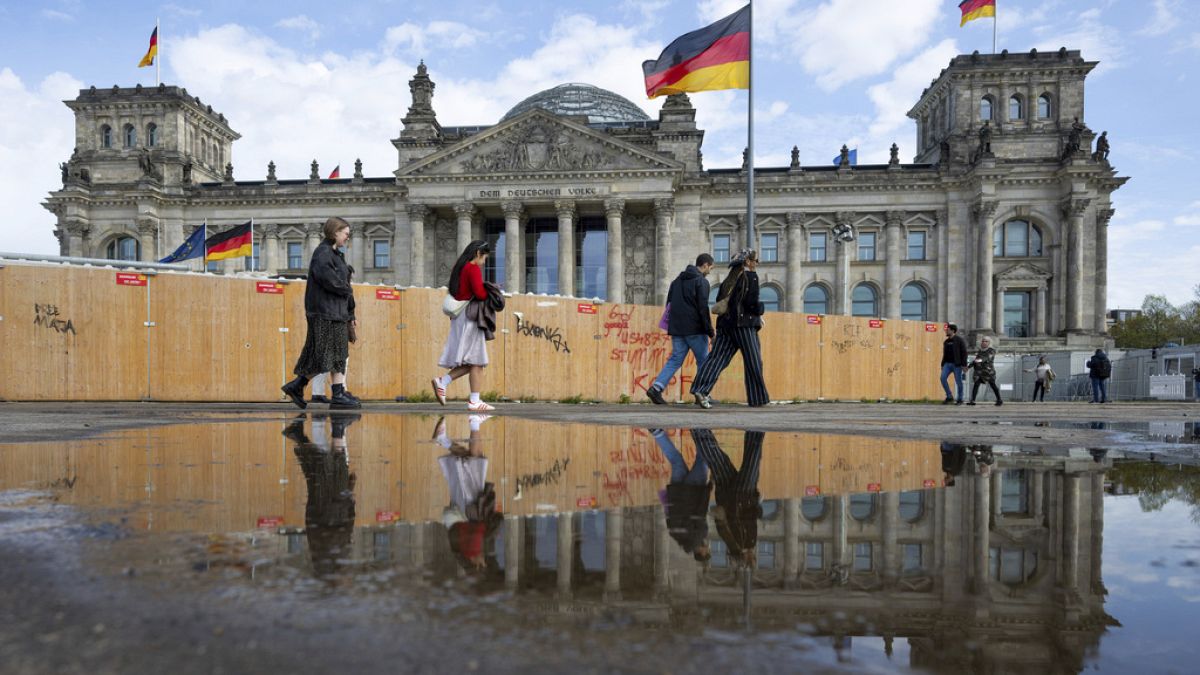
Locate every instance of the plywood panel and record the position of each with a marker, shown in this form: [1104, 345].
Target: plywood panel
[377, 359]
[551, 349]
[850, 358]
[422, 340]
[632, 351]
[72, 333]
[214, 339]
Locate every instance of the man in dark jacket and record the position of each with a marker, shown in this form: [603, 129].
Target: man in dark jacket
[954, 359]
[688, 322]
[687, 497]
[1099, 370]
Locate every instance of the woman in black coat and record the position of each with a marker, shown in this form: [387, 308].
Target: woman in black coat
[737, 330]
[329, 307]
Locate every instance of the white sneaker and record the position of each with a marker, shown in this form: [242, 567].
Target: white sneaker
[438, 391]
[479, 407]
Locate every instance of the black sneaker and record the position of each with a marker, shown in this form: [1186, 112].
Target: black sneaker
[969, 403]
[948, 401]
[998, 402]
[655, 395]
[342, 402]
[960, 403]
[318, 398]
[295, 391]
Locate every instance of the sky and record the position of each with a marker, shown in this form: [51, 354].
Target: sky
[303, 80]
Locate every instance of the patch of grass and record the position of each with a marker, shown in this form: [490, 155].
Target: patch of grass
[527, 398]
[624, 399]
[572, 400]
[421, 397]
[492, 396]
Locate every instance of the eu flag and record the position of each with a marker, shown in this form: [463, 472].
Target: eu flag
[192, 247]
[837, 161]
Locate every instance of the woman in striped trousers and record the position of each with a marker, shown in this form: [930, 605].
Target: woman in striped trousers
[739, 505]
[737, 330]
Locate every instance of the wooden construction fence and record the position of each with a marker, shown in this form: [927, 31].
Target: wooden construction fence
[232, 477]
[73, 333]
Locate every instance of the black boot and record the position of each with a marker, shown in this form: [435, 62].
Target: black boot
[295, 391]
[339, 399]
[294, 431]
[340, 421]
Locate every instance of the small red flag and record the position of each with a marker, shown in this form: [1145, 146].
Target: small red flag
[336, 173]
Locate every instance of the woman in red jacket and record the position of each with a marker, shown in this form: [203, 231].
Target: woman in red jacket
[465, 352]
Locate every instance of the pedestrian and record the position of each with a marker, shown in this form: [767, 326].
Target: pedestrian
[1196, 383]
[1044, 375]
[1099, 370]
[319, 381]
[687, 497]
[954, 359]
[739, 507]
[328, 309]
[985, 370]
[465, 352]
[471, 518]
[689, 323]
[329, 507]
[739, 318]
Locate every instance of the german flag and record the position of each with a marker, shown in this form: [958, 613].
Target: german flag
[712, 58]
[148, 59]
[976, 9]
[236, 242]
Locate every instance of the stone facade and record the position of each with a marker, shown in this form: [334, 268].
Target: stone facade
[999, 227]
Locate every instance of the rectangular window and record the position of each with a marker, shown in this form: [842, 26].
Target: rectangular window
[814, 555]
[591, 257]
[541, 256]
[721, 248]
[770, 248]
[252, 263]
[1017, 314]
[912, 558]
[495, 266]
[720, 554]
[866, 246]
[214, 267]
[766, 555]
[1014, 491]
[382, 253]
[916, 245]
[816, 247]
[862, 557]
[295, 251]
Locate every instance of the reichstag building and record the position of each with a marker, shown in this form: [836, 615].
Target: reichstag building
[998, 224]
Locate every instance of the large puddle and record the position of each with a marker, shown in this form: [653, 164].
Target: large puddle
[866, 552]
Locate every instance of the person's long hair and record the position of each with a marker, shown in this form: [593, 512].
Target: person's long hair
[466, 257]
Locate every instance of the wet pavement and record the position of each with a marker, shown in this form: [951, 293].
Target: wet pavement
[218, 541]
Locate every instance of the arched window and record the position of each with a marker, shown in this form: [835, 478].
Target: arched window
[1016, 108]
[124, 248]
[912, 505]
[769, 297]
[814, 508]
[130, 136]
[204, 151]
[151, 135]
[106, 136]
[862, 505]
[220, 153]
[216, 156]
[985, 108]
[865, 301]
[1017, 239]
[1044, 107]
[914, 303]
[816, 300]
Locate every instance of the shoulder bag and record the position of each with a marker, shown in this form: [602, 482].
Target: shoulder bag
[452, 307]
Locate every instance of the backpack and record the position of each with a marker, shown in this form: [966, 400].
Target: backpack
[1101, 367]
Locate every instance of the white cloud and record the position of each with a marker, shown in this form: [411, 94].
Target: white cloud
[893, 99]
[36, 133]
[648, 10]
[57, 15]
[426, 41]
[302, 24]
[1192, 218]
[1095, 40]
[1164, 19]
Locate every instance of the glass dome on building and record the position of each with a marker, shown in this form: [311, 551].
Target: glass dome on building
[574, 98]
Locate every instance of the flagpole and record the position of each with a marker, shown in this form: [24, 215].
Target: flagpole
[995, 20]
[750, 137]
[158, 56]
[253, 267]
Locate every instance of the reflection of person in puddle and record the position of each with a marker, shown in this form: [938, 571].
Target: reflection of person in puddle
[738, 507]
[471, 518]
[329, 512]
[686, 499]
[954, 458]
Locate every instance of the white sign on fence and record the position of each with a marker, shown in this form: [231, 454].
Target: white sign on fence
[1168, 387]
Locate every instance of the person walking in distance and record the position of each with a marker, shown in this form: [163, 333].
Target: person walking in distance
[1045, 375]
[739, 318]
[954, 359]
[1099, 370]
[688, 323]
[465, 352]
[985, 370]
[327, 306]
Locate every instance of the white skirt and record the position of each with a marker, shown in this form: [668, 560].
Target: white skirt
[466, 344]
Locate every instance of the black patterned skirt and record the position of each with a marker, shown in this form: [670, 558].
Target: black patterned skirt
[326, 348]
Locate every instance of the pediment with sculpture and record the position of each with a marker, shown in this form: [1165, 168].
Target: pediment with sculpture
[1023, 273]
[538, 142]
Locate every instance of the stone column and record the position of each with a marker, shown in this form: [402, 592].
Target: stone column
[791, 541]
[416, 223]
[664, 213]
[841, 554]
[998, 310]
[1100, 306]
[77, 231]
[565, 208]
[465, 213]
[981, 528]
[270, 248]
[614, 520]
[358, 251]
[512, 552]
[1096, 530]
[416, 545]
[566, 551]
[514, 252]
[891, 291]
[312, 239]
[983, 212]
[1073, 210]
[845, 253]
[662, 552]
[1070, 552]
[891, 549]
[614, 210]
[795, 279]
[148, 238]
[1039, 315]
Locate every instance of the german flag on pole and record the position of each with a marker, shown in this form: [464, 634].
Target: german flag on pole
[148, 59]
[712, 58]
[236, 242]
[976, 9]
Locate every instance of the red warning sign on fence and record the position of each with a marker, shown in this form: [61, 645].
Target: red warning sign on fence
[269, 287]
[874, 487]
[585, 503]
[387, 516]
[814, 320]
[931, 328]
[875, 323]
[929, 482]
[270, 521]
[812, 490]
[130, 279]
[586, 308]
[387, 294]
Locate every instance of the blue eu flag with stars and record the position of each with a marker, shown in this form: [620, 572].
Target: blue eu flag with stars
[192, 247]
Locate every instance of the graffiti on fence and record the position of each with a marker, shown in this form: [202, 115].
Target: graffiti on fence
[550, 476]
[643, 352]
[552, 335]
[49, 316]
